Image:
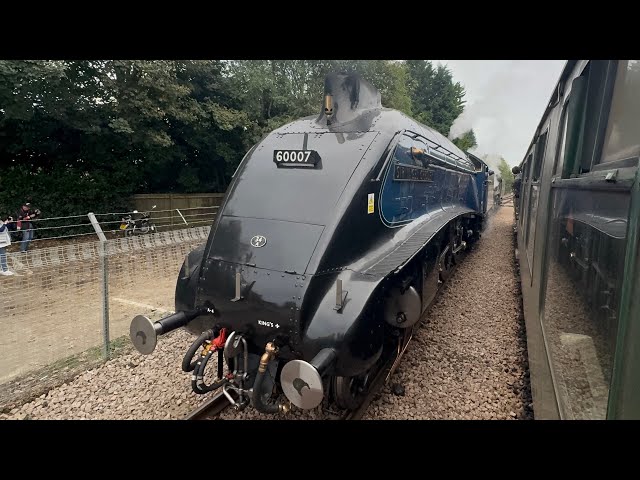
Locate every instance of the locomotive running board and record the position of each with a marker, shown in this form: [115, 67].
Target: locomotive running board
[401, 254]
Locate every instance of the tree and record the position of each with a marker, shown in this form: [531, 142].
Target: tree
[81, 135]
[85, 135]
[390, 78]
[506, 174]
[466, 141]
[274, 92]
[55, 144]
[436, 100]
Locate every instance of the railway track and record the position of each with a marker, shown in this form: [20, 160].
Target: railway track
[507, 201]
[212, 408]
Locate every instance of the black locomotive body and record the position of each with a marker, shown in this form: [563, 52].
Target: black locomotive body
[332, 240]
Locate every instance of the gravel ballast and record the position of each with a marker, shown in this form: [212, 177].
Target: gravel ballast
[467, 361]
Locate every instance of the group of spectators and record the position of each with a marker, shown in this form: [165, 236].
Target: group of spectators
[16, 227]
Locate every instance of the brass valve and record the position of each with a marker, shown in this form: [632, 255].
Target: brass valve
[270, 351]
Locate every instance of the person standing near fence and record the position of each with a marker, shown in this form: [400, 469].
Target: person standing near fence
[5, 241]
[23, 222]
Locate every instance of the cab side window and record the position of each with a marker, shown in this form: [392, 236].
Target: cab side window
[403, 154]
[418, 153]
[411, 151]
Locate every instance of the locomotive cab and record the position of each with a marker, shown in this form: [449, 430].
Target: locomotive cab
[334, 236]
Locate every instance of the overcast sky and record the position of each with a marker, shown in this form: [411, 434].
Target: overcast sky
[505, 100]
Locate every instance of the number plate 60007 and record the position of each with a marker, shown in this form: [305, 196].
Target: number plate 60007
[296, 158]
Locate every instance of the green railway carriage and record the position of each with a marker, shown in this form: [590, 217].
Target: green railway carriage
[577, 237]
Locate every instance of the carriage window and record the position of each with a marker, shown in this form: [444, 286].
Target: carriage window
[598, 98]
[527, 169]
[622, 139]
[562, 138]
[526, 199]
[585, 265]
[534, 195]
[539, 157]
[524, 192]
[575, 122]
[587, 112]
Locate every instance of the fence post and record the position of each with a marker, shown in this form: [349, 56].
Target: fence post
[171, 209]
[104, 274]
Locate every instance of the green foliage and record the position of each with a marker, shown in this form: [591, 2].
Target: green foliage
[390, 78]
[437, 101]
[83, 135]
[275, 92]
[466, 141]
[506, 174]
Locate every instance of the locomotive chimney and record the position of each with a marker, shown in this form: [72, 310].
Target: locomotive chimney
[347, 96]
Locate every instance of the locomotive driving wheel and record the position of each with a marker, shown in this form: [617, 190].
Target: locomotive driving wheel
[350, 392]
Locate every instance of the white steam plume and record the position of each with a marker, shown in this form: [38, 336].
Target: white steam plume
[505, 101]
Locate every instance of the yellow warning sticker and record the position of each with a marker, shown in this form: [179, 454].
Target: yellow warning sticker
[370, 205]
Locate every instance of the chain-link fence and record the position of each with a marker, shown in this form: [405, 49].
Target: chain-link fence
[70, 302]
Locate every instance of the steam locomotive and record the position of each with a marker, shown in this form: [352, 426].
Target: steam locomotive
[335, 234]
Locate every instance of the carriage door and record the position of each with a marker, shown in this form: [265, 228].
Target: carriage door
[524, 194]
[534, 193]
